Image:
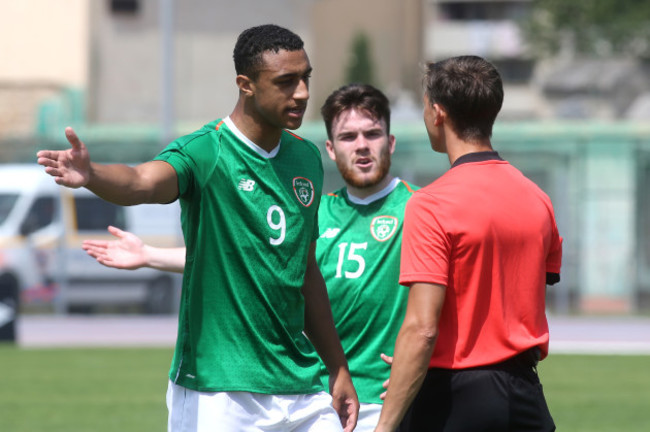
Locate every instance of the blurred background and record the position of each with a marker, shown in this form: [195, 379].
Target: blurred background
[131, 75]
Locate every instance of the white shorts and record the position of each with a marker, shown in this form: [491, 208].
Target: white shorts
[192, 411]
[368, 417]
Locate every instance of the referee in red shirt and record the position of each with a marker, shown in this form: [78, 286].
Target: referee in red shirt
[479, 246]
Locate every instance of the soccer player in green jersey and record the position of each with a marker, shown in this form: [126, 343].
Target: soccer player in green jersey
[254, 305]
[358, 250]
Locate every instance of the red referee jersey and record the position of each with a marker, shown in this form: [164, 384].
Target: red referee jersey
[488, 234]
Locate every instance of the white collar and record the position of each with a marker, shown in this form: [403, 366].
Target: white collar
[250, 143]
[377, 195]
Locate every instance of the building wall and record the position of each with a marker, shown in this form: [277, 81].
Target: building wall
[116, 56]
[43, 48]
[44, 41]
[394, 29]
[126, 57]
[488, 29]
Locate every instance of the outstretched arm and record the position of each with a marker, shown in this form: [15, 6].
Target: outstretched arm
[319, 328]
[150, 182]
[130, 252]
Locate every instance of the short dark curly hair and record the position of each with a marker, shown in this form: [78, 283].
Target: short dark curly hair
[255, 41]
[363, 97]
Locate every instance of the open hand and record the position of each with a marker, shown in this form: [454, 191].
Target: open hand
[127, 252]
[70, 167]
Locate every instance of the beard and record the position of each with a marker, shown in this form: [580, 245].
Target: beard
[362, 181]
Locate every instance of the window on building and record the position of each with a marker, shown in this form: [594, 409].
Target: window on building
[483, 10]
[515, 70]
[124, 6]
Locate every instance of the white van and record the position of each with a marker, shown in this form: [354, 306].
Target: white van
[42, 226]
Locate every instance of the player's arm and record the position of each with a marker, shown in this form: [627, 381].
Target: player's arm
[129, 252]
[150, 182]
[413, 349]
[319, 328]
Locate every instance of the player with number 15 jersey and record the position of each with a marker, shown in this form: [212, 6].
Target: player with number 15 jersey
[359, 256]
[251, 211]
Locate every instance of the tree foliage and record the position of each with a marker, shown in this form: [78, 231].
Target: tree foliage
[592, 27]
[360, 68]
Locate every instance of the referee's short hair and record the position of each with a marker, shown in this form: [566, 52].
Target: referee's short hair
[470, 90]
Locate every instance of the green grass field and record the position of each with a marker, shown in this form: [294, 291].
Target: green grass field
[89, 390]
[101, 390]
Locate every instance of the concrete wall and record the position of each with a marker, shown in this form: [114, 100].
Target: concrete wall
[44, 42]
[43, 48]
[394, 29]
[125, 52]
[126, 70]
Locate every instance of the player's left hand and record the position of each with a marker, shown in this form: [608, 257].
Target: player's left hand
[344, 399]
[127, 252]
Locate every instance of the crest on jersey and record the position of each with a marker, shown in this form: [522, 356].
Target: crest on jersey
[383, 227]
[304, 190]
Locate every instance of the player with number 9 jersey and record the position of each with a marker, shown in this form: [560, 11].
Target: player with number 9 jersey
[248, 213]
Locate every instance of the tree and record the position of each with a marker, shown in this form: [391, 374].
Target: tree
[591, 27]
[360, 68]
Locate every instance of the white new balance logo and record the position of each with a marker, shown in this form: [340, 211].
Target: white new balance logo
[246, 185]
[330, 233]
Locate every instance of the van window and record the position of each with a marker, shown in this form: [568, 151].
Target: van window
[7, 202]
[40, 215]
[95, 214]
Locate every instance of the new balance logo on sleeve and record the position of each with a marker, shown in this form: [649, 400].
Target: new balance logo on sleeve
[246, 185]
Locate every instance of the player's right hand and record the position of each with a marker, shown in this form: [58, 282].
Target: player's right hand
[344, 399]
[70, 167]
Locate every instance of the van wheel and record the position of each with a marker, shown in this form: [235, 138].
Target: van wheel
[8, 283]
[160, 296]
[9, 289]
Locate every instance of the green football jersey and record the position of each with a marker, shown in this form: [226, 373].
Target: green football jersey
[358, 252]
[248, 219]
